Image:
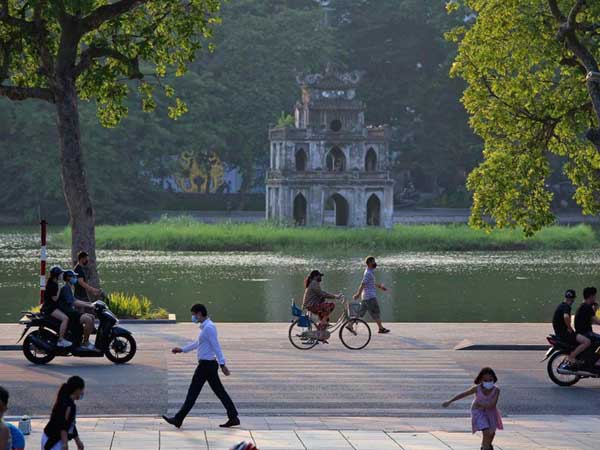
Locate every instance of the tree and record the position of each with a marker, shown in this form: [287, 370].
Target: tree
[525, 62]
[400, 47]
[63, 50]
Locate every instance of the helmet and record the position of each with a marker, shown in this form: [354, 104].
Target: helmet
[56, 271]
[69, 273]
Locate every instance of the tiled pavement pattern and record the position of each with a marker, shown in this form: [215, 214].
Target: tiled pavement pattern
[334, 433]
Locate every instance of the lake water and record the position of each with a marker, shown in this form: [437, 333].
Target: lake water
[259, 287]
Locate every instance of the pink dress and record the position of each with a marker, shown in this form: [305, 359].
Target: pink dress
[483, 419]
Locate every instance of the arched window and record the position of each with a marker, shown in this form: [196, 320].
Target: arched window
[341, 209]
[371, 160]
[300, 210]
[301, 159]
[336, 160]
[373, 211]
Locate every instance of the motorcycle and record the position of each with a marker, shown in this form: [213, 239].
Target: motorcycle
[112, 341]
[563, 374]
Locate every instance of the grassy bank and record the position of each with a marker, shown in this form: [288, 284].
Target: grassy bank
[185, 234]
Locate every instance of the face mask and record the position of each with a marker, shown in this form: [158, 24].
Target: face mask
[319, 279]
[73, 280]
[488, 384]
[195, 319]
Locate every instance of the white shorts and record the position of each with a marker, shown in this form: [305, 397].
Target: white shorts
[57, 446]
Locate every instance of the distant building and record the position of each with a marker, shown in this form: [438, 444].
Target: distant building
[330, 167]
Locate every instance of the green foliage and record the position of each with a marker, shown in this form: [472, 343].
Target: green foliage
[399, 44]
[186, 234]
[285, 120]
[528, 100]
[132, 306]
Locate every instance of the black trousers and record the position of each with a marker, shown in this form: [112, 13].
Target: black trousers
[206, 371]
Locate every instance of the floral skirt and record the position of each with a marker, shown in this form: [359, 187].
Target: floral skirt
[322, 309]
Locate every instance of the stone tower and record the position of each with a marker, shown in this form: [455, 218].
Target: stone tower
[329, 168]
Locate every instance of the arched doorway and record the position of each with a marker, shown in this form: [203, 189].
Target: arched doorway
[339, 210]
[373, 211]
[301, 159]
[300, 210]
[371, 160]
[336, 160]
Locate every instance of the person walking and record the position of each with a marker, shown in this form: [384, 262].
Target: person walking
[61, 427]
[485, 416]
[367, 291]
[5, 437]
[210, 358]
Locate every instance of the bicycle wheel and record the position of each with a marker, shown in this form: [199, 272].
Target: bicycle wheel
[355, 334]
[303, 337]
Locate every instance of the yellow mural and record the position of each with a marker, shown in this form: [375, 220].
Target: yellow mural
[202, 173]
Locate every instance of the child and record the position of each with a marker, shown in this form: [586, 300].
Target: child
[485, 417]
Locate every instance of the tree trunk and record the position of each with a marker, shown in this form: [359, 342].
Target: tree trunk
[74, 181]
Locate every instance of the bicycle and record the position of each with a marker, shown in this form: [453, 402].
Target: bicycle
[354, 332]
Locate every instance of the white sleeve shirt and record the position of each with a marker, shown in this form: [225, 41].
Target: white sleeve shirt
[207, 344]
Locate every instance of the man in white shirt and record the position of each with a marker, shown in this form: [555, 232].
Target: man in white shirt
[210, 357]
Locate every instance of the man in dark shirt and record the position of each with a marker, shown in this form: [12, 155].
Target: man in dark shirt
[586, 316]
[561, 322]
[82, 287]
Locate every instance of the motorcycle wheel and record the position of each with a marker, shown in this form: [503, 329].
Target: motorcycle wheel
[121, 349]
[558, 378]
[33, 353]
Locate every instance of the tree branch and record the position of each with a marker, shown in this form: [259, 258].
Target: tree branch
[92, 53]
[556, 12]
[24, 93]
[108, 12]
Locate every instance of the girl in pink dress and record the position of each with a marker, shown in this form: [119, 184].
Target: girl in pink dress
[485, 416]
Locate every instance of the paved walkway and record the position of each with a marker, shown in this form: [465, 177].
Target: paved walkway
[332, 433]
[407, 373]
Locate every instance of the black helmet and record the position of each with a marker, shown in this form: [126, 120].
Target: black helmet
[56, 271]
[69, 273]
[570, 293]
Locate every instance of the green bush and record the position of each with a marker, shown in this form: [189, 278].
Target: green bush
[132, 306]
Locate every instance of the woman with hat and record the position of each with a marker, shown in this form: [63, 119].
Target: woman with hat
[315, 301]
[51, 308]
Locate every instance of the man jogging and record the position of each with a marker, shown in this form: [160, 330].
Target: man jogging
[210, 357]
[368, 292]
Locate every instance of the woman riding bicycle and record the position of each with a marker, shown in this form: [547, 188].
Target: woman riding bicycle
[315, 300]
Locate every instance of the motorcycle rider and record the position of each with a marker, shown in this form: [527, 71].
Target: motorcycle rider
[82, 287]
[50, 306]
[67, 304]
[586, 316]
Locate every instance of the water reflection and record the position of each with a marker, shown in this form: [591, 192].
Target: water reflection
[450, 286]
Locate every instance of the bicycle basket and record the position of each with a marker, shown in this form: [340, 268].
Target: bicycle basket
[296, 312]
[354, 309]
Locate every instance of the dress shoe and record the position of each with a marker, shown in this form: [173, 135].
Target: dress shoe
[172, 421]
[230, 423]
